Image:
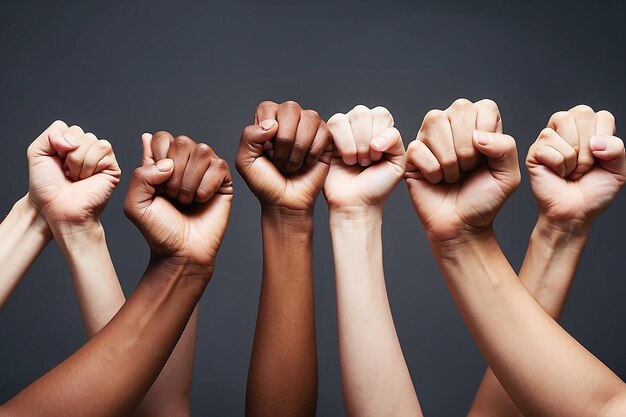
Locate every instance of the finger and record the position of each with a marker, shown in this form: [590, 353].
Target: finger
[361, 124]
[564, 124]
[146, 149]
[142, 186]
[179, 152]
[216, 179]
[605, 123]
[320, 143]
[160, 144]
[488, 117]
[422, 158]
[305, 134]
[199, 161]
[253, 140]
[264, 111]
[75, 159]
[585, 119]
[288, 116]
[436, 133]
[501, 153]
[381, 120]
[610, 151]
[96, 153]
[51, 142]
[341, 132]
[462, 115]
[562, 164]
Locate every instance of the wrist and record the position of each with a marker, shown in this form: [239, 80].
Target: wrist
[562, 229]
[29, 214]
[76, 239]
[176, 268]
[291, 220]
[464, 243]
[355, 217]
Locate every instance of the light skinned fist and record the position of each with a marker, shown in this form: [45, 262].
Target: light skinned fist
[284, 155]
[576, 165]
[71, 177]
[368, 160]
[461, 169]
[186, 220]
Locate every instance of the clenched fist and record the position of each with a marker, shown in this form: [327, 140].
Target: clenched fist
[461, 169]
[368, 160]
[71, 176]
[186, 220]
[282, 155]
[576, 165]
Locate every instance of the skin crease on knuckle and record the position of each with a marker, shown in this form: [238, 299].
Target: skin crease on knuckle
[431, 161]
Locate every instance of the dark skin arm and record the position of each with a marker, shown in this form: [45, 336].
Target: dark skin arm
[281, 159]
[110, 375]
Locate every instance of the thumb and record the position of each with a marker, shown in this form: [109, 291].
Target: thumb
[52, 142]
[501, 153]
[142, 186]
[609, 150]
[253, 138]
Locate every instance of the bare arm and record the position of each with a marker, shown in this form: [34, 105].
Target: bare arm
[280, 158]
[24, 234]
[571, 190]
[369, 162]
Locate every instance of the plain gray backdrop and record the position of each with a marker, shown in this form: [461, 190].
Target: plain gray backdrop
[200, 68]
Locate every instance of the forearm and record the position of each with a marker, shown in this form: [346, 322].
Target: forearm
[375, 378]
[114, 370]
[23, 235]
[282, 378]
[548, 270]
[100, 295]
[543, 369]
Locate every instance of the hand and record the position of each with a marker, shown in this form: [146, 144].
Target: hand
[461, 169]
[282, 155]
[369, 159]
[71, 176]
[190, 220]
[576, 166]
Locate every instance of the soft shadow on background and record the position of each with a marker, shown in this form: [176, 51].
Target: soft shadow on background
[199, 68]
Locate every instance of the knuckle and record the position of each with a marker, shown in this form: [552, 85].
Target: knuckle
[461, 103]
[290, 104]
[546, 133]
[310, 114]
[336, 119]
[582, 109]
[466, 153]
[58, 124]
[435, 116]
[559, 118]
[105, 145]
[488, 104]
[448, 159]
[266, 104]
[203, 149]
[607, 115]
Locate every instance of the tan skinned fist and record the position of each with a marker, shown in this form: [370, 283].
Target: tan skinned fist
[461, 169]
[188, 220]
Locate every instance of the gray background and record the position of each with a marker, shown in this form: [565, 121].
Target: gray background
[199, 68]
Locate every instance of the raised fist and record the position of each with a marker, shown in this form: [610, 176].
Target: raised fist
[71, 176]
[189, 218]
[282, 156]
[368, 160]
[576, 165]
[461, 169]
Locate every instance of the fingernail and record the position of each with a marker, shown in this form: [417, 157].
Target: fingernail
[69, 139]
[146, 135]
[165, 165]
[599, 143]
[379, 143]
[365, 162]
[575, 176]
[482, 138]
[267, 124]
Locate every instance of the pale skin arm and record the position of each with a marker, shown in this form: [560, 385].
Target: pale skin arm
[375, 378]
[367, 165]
[543, 369]
[24, 234]
[563, 192]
